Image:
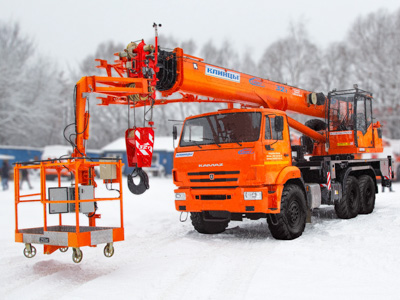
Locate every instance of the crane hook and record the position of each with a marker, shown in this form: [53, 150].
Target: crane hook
[143, 184]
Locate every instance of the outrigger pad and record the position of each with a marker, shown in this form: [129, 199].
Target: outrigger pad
[142, 186]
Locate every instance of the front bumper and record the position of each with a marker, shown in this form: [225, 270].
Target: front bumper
[229, 199]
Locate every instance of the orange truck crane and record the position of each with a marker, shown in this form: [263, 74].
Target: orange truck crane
[230, 164]
[238, 163]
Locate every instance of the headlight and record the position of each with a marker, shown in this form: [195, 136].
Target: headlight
[252, 195]
[180, 196]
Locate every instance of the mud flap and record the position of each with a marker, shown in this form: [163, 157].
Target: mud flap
[309, 213]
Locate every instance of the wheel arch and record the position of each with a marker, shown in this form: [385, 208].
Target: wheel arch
[290, 174]
[301, 184]
[357, 172]
[290, 222]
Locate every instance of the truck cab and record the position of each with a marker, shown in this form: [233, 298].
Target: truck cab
[234, 162]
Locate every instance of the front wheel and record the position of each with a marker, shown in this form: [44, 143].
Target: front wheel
[207, 226]
[291, 221]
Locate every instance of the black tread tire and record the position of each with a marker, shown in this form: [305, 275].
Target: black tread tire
[367, 194]
[291, 221]
[207, 227]
[349, 206]
[314, 124]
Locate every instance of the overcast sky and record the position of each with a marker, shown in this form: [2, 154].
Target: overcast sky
[69, 30]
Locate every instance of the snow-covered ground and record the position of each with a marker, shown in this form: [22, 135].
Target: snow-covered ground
[162, 258]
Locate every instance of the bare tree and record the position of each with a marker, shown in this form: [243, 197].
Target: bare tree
[104, 50]
[31, 90]
[293, 60]
[374, 42]
[336, 69]
[248, 65]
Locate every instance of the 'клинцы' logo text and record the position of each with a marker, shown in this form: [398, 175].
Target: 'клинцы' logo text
[222, 74]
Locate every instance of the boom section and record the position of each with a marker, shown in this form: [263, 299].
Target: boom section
[188, 74]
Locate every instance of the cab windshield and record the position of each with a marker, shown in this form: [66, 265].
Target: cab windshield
[341, 112]
[221, 129]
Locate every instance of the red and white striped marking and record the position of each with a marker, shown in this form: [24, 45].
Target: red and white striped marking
[145, 148]
[328, 180]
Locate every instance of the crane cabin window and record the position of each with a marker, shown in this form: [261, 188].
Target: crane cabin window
[361, 122]
[341, 113]
[364, 113]
[270, 132]
[221, 129]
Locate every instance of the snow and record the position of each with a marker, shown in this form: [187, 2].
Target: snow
[56, 151]
[162, 258]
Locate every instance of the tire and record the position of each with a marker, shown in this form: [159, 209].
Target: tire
[207, 227]
[291, 221]
[349, 206]
[314, 124]
[367, 194]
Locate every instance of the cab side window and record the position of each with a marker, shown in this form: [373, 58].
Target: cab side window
[270, 133]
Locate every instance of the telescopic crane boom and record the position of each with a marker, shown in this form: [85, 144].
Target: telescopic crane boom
[145, 69]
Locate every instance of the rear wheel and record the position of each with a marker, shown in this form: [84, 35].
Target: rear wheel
[349, 206]
[291, 221]
[367, 194]
[207, 226]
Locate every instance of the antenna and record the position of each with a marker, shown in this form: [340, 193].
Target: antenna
[155, 26]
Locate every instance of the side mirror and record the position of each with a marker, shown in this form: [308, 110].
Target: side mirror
[278, 123]
[174, 132]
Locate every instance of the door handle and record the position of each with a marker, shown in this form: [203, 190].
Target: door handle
[285, 155]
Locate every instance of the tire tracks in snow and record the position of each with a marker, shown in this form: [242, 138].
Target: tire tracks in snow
[232, 258]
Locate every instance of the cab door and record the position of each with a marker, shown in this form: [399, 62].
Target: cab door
[276, 146]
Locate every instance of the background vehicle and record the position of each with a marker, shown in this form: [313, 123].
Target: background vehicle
[55, 152]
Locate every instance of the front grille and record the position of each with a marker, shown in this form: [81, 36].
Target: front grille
[213, 187]
[213, 197]
[215, 173]
[210, 176]
[214, 180]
